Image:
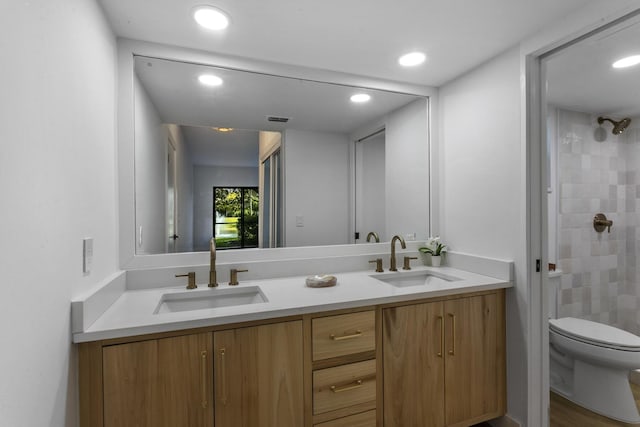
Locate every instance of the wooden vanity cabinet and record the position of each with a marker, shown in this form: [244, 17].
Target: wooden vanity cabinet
[437, 363]
[444, 362]
[170, 381]
[343, 367]
[259, 377]
[162, 382]
[413, 365]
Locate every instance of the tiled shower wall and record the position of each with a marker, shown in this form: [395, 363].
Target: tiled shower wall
[599, 270]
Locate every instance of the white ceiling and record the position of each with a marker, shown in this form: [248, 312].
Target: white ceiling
[245, 99]
[365, 37]
[362, 37]
[581, 77]
[208, 147]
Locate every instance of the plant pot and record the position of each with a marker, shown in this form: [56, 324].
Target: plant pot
[436, 260]
[425, 258]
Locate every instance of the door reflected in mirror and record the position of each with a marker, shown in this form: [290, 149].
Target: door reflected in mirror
[322, 170]
[370, 187]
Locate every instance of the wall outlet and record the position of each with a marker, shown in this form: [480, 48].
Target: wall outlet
[410, 237]
[87, 255]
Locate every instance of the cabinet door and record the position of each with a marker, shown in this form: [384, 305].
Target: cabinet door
[130, 384]
[185, 374]
[258, 376]
[164, 382]
[474, 359]
[413, 363]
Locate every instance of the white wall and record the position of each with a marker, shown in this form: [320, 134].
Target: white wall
[479, 155]
[316, 176]
[204, 179]
[407, 170]
[150, 141]
[57, 82]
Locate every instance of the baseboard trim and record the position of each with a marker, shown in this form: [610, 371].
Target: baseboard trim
[505, 421]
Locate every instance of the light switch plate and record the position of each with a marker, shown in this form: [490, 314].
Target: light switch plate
[87, 255]
[299, 221]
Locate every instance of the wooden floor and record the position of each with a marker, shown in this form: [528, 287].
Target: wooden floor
[567, 414]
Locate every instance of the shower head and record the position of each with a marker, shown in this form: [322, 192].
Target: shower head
[618, 126]
[621, 126]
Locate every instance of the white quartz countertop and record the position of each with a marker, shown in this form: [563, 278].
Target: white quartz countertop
[133, 312]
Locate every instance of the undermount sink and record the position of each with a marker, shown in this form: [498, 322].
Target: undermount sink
[417, 278]
[210, 298]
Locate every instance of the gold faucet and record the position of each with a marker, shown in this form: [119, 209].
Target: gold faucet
[393, 251]
[213, 282]
[374, 235]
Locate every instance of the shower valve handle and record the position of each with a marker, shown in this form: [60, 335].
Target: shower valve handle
[600, 222]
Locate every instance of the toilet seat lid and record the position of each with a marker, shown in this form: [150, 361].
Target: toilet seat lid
[596, 333]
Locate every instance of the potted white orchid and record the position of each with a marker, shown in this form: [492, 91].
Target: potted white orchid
[436, 249]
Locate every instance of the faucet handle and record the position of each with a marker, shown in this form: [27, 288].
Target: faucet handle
[233, 281]
[600, 222]
[192, 279]
[378, 262]
[407, 262]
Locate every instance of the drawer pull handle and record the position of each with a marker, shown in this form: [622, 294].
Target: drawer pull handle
[223, 375]
[353, 386]
[203, 371]
[346, 337]
[441, 320]
[452, 352]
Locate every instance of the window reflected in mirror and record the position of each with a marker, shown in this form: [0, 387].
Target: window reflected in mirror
[235, 217]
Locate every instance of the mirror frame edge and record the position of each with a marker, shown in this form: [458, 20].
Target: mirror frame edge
[126, 50]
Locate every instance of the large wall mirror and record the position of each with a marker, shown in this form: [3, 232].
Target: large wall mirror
[264, 161]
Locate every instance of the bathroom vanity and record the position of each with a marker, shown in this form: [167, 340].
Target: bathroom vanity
[424, 347]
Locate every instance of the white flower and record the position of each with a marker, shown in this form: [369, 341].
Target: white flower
[432, 243]
[433, 246]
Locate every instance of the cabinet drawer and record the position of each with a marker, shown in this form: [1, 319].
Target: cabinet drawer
[344, 386]
[344, 334]
[365, 419]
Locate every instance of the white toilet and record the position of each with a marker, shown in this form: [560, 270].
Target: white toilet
[590, 364]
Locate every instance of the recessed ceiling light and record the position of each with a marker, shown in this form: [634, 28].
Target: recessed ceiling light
[223, 130]
[412, 59]
[360, 97]
[211, 17]
[210, 80]
[629, 61]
